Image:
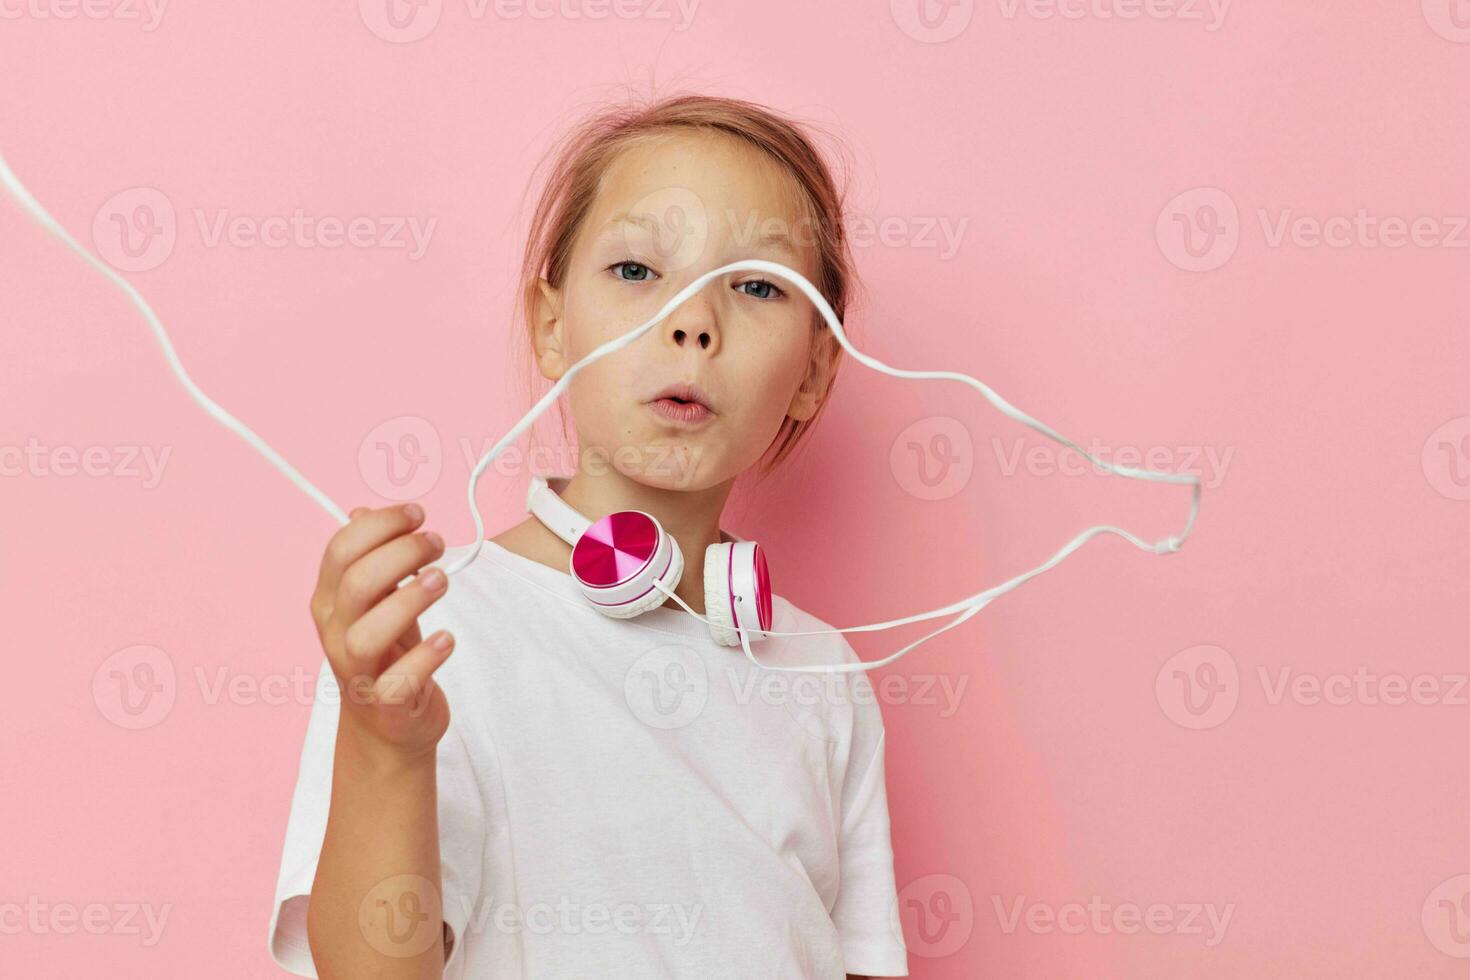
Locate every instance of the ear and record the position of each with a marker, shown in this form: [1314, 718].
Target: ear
[547, 330]
[821, 366]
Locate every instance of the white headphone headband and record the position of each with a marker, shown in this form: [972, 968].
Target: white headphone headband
[546, 503]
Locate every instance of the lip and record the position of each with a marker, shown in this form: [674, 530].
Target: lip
[683, 391]
[686, 414]
[682, 404]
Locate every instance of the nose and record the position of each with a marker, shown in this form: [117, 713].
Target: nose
[694, 325]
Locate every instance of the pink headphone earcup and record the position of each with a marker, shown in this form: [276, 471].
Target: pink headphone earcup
[617, 560]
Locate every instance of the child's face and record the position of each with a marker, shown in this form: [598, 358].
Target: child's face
[667, 213]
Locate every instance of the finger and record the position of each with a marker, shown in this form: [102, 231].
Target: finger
[364, 530]
[361, 535]
[409, 681]
[375, 576]
[371, 637]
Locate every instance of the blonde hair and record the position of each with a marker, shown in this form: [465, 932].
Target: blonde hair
[581, 159]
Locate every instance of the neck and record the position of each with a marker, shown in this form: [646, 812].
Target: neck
[690, 517]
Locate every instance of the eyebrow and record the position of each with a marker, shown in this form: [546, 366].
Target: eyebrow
[642, 220]
[772, 238]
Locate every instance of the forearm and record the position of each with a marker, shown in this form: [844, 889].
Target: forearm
[375, 908]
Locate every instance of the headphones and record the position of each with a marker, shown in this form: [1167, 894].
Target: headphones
[626, 564]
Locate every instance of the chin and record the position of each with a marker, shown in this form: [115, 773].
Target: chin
[675, 465]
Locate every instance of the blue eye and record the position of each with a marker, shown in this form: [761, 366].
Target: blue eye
[769, 291]
[640, 272]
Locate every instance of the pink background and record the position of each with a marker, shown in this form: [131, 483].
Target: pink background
[1328, 382]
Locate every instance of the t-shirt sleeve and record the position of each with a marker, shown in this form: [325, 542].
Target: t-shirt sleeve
[866, 910]
[461, 835]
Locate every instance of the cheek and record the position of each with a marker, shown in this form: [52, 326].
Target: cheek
[774, 380]
[602, 309]
[791, 359]
[601, 398]
[594, 385]
[590, 324]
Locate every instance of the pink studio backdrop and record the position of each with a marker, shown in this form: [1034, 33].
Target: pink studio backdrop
[1227, 239]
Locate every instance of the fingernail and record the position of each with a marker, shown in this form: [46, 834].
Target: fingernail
[434, 539]
[413, 512]
[442, 640]
[433, 580]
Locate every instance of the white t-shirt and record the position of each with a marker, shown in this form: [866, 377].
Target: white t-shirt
[627, 798]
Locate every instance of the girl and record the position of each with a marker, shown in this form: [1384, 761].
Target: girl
[577, 796]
